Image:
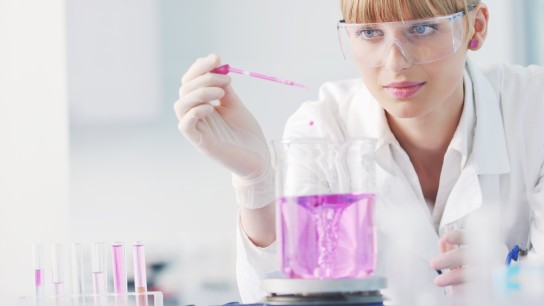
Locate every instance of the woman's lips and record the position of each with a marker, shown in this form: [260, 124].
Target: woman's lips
[403, 90]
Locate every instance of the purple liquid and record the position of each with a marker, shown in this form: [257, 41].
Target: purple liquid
[327, 236]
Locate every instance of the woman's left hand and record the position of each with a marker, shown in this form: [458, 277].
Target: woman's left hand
[452, 259]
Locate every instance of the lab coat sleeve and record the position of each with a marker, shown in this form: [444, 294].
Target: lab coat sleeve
[530, 87]
[521, 91]
[253, 264]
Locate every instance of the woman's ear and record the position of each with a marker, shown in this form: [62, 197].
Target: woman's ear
[479, 27]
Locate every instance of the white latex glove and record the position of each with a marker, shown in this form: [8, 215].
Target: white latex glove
[451, 261]
[227, 132]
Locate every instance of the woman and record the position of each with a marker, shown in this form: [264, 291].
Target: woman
[450, 136]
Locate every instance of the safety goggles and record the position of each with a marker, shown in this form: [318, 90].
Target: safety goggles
[420, 41]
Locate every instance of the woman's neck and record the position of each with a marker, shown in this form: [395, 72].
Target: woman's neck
[428, 136]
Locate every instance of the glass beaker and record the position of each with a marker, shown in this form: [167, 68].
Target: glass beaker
[325, 208]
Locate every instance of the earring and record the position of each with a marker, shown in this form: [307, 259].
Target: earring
[474, 43]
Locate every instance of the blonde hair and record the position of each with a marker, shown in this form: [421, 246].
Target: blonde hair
[370, 11]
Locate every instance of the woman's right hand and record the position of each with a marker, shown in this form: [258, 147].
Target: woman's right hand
[226, 131]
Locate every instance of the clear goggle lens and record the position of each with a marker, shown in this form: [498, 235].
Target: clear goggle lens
[419, 41]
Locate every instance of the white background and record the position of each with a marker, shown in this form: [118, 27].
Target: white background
[130, 175]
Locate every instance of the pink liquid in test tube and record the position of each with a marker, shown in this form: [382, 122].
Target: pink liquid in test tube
[77, 269]
[57, 278]
[39, 259]
[99, 283]
[119, 268]
[58, 289]
[140, 277]
[38, 277]
[98, 268]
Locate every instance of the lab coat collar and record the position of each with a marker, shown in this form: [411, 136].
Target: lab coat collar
[400, 209]
[490, 154]
[464, 134]
[374, 125]
[465, 197]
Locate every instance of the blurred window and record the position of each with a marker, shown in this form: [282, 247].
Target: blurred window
[534, 11]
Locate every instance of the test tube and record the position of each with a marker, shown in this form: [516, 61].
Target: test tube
[140, 277]
[119, 268]
[77, 269]
[38, 259]
[57, 277]
[98, 267]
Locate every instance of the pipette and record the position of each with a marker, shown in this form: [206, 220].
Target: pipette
[225, 69]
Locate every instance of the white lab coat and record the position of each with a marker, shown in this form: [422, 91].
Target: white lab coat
[504, 170]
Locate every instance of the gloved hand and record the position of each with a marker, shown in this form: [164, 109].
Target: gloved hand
[451, 260]
[227, 132]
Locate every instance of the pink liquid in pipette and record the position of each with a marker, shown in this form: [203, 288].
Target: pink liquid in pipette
[327, 236]
[99, 283]
[225, 69]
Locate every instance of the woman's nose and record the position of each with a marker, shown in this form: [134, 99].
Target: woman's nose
[396, 59]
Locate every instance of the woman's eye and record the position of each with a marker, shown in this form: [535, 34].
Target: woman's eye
[424, 29]
[368, 33]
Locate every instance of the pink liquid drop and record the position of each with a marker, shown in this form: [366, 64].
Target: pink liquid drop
[327, 236]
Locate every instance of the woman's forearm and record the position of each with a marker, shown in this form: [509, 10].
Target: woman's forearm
[260, 224]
